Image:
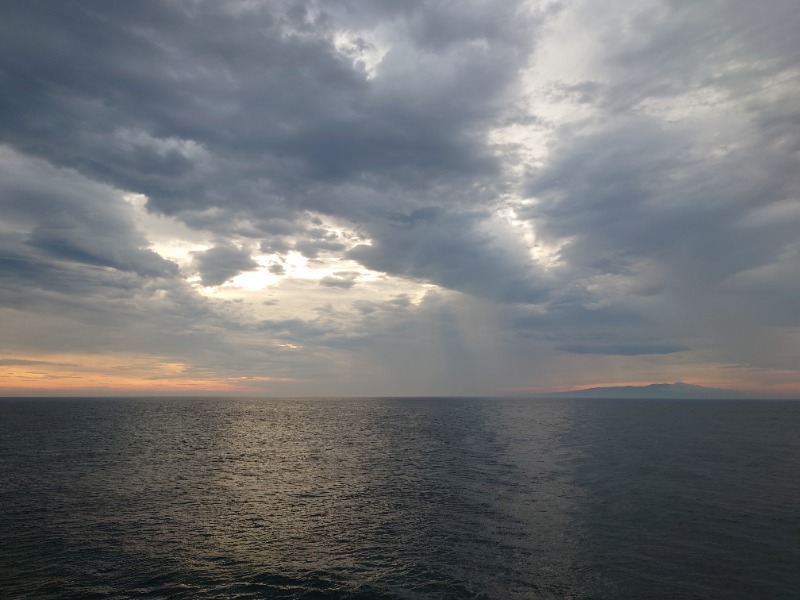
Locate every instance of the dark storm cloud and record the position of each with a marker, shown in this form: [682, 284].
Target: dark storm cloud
[672, 47]
[675, 186]
[224, 110]
[76, 275]
[425, 245]
[311, 248]
[323, 331]
[221, 263]
[618, 191]
[623, 349]
[143, 91]
[276, 269]
[57, 215]
[637, 195]
[30, 279]
[344, 280]
[572, 324]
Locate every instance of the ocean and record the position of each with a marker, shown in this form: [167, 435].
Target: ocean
[399, 498]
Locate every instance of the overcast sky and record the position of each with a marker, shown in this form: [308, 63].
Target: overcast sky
[398, 197]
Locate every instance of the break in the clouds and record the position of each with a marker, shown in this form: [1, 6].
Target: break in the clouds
[420, 197]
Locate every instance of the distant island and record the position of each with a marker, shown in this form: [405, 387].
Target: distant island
[654, 390]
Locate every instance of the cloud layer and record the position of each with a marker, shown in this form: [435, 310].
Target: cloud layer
[399, 198]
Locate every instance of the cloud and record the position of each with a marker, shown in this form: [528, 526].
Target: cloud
[464, 195]
[454, 251]
[252, 113]
[57, 213]
[624, 349]
[19, 362]
[311, 248]
[344, 280]
[222, 263]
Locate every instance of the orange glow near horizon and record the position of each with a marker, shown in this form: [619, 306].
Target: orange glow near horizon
[115, 374]
[148, 374]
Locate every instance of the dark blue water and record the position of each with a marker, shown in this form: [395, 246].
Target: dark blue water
[380, 498]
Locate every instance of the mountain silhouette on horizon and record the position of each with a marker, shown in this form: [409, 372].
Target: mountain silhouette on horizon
[654, 390]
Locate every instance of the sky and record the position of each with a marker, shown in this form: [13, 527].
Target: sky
[427, 197]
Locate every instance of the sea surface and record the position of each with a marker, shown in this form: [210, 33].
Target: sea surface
[399, 498]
